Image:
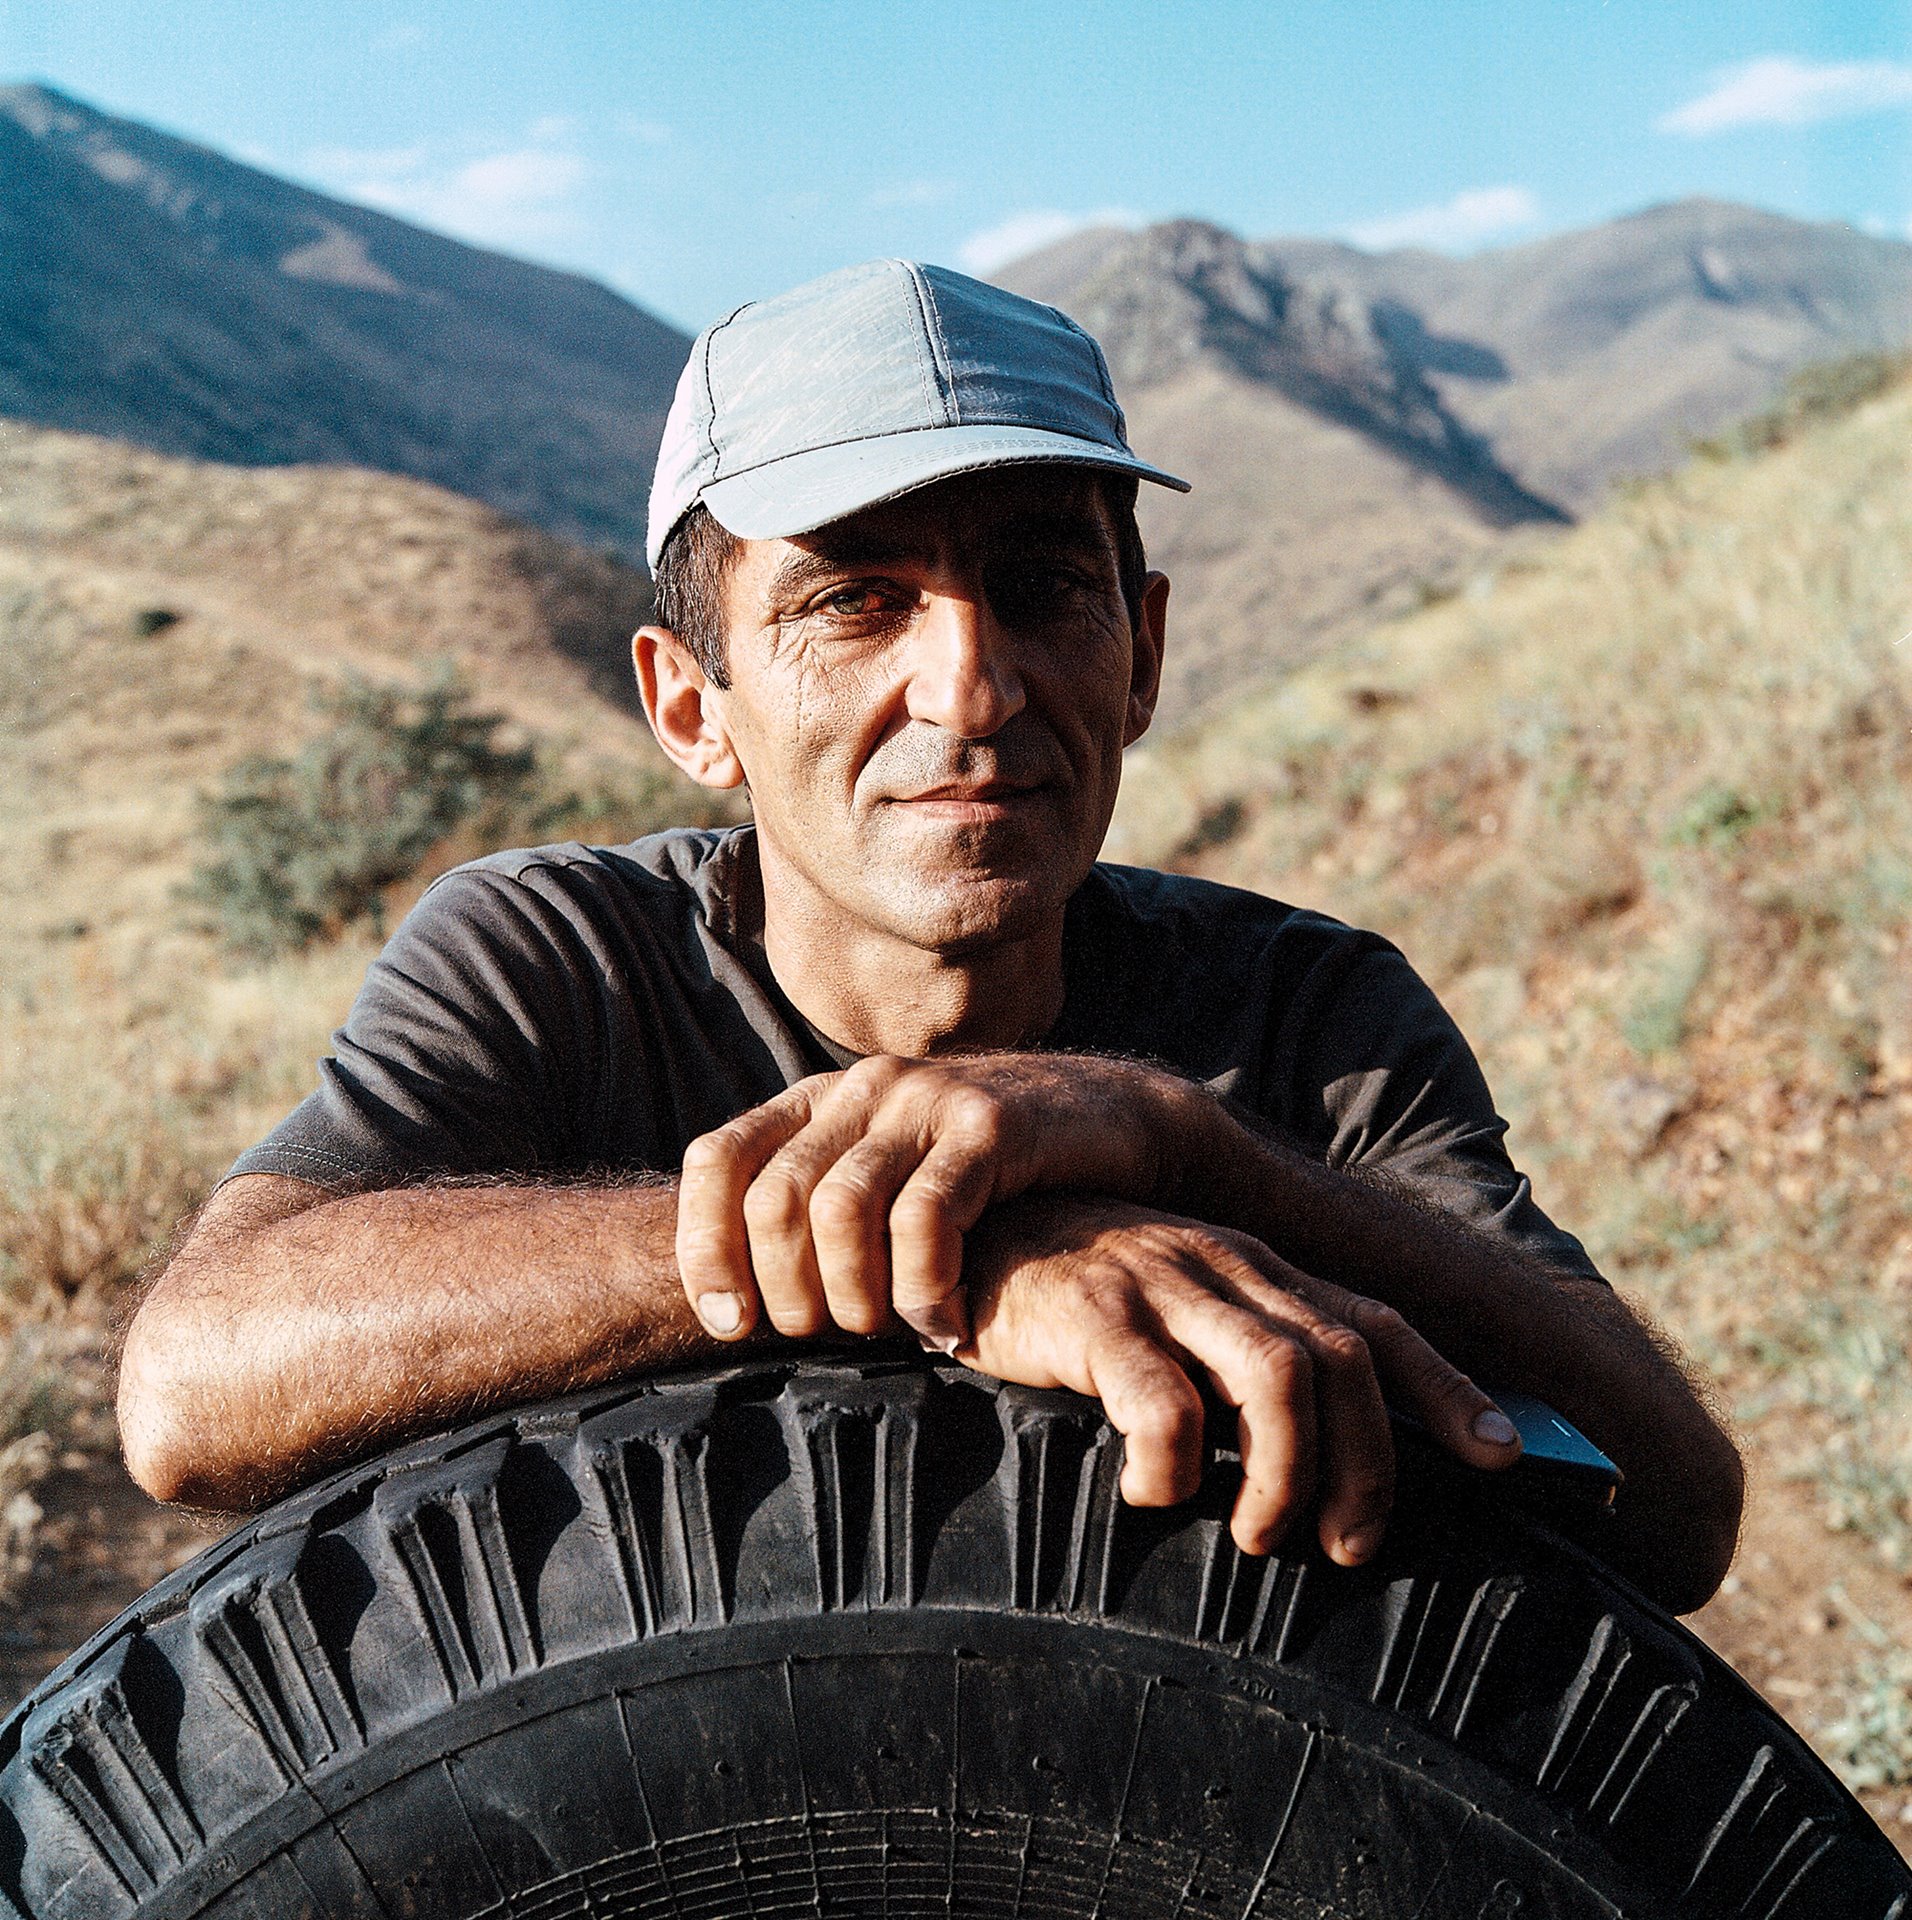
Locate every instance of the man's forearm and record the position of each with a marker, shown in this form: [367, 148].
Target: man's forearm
[1508, 1322]
[274, 1347]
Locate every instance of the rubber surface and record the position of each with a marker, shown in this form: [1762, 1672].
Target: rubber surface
[878, 1638]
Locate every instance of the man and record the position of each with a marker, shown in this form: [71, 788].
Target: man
[901, 1054]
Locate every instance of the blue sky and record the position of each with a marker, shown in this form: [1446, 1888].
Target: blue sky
[693, 154]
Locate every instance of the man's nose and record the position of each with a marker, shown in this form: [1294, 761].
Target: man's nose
[964, 677]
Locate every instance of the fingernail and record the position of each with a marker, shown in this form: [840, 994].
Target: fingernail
[943, 1327]
[722, 1313]
[1493, 1426]
[1361, 1544]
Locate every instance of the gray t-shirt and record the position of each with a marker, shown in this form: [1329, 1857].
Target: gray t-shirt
[567, 1011]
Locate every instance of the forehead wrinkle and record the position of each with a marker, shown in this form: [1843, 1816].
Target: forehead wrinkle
[822, 557]
[1051, 529]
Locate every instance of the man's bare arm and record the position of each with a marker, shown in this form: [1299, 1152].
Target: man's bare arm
[1508, 1321]
[854, 1192]
[294, 1330]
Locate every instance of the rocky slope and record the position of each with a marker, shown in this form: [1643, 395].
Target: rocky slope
[160, 293]
[1359, 426]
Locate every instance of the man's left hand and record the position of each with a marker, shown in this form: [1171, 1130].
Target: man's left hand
[844, 1201]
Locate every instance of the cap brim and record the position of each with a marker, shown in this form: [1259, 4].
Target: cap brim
[809, 490]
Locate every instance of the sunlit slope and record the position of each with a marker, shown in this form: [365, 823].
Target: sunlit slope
[1644, 815]
[162, 618]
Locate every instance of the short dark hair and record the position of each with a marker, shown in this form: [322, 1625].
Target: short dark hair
[700, 553]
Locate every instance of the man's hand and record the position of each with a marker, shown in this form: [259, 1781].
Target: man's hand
[845, 1200]
[1143, 1310]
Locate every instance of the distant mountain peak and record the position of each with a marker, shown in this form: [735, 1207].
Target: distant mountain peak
[1182, 292]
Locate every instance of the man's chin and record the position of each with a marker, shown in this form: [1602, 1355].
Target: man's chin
[958, 912]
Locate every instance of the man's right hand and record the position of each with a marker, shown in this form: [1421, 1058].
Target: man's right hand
[1142, 1309]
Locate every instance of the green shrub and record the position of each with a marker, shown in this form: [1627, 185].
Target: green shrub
[302, 847]
[1717, 817]
[402, 783]
[1656, 1022]
[1826, 390]
[1871, 1742]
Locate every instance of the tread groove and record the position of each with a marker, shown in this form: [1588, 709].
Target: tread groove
[281, 1678]
[87, 1748]
[668, 1549]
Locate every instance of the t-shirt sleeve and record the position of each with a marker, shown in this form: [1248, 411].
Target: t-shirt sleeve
[1369, 1069]
[457, 1056]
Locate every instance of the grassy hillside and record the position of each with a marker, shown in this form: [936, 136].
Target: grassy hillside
[160, 620]
[1641, 808]
[1640, 804]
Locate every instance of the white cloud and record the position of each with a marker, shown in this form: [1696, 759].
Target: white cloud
[652, 133]
[1470, 219]
[1783, 92]
[554, 126]
[520, 197]
[1023, 233]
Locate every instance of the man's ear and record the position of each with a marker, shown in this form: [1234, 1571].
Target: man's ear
[685, 709]
[1145, 667]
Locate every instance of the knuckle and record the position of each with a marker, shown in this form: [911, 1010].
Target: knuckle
[838, 1207]
[1376, 1319]
[875, 1072]
[798, 1319]
[1165, 1424]
[1276, 1356]
[857, 1313]
[1445, 1383]
[1109, 1293]
[975, 1111]
[1344, 1350]
[918, 1208]
[708, 1153]
[774, 1203]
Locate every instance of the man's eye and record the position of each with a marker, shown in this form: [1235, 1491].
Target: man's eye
[855, 602]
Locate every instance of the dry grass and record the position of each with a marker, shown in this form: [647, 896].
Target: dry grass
[1640, 806]
[135, 1058]
[1643, 813]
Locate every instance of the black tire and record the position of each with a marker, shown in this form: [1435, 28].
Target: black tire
[879, 1638]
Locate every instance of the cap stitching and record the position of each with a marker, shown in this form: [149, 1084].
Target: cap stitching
[933, 331]
[925, 374]
[710, 391]
[1114, 453]
[1101, 369]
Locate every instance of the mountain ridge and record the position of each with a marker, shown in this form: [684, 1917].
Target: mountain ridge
[1365, 428]
[158, 292]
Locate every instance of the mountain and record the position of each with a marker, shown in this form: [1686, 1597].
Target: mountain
[156, 601]
[1365, 428]
[1600, 354]
[157, 292]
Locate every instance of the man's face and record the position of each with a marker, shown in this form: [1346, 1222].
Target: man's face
[930, 701]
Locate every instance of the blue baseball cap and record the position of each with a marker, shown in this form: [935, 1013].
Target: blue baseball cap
[873, 381]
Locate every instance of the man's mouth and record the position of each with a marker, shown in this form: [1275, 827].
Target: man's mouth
[971, 793]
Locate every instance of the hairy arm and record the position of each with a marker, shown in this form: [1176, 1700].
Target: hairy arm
[1501, 1317]
[293, 1329]
[854, 1193]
